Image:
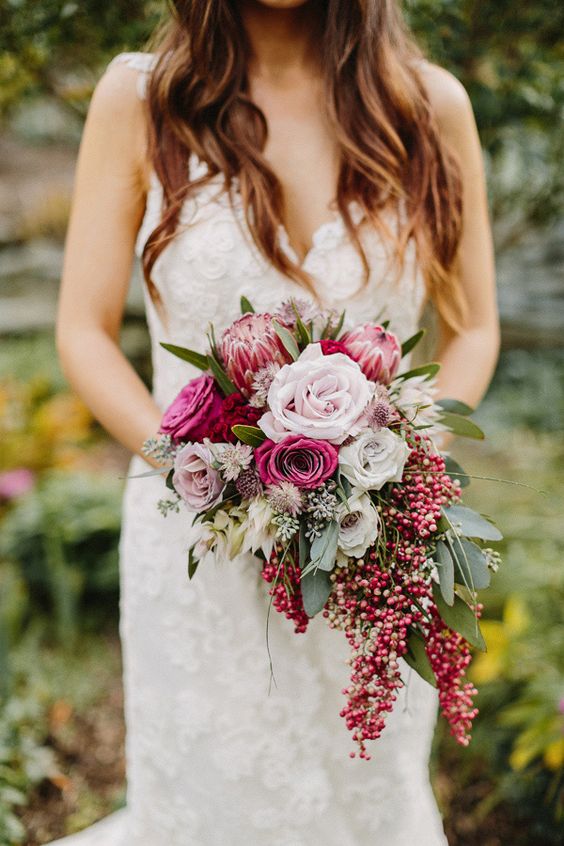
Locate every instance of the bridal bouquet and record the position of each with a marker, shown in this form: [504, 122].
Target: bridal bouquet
[310, 447]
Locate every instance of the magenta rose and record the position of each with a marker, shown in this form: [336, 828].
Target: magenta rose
[377, 351]
[303, 461]
[194, 478]
[249, 345]
[194, 411]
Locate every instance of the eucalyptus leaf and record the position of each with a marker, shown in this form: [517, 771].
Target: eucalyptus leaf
[197, 359]
[445, 566]
[471, 567]
[324, 547]
[246, 306]
[462, 426]
[427, 370]
[456, 406]
[168, 482]
[454, 470]
[251, 435]
[287, 339]
[412, 342]
[460, 618]
[468, 522]
[417, 658]
[316, 587]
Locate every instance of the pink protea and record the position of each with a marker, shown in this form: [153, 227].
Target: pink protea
[249, 345]
[377, 351]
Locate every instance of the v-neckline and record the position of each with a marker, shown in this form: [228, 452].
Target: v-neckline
[334, 225]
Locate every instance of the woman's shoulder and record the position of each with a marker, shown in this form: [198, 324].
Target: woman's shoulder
[122, 65]
[447, 95]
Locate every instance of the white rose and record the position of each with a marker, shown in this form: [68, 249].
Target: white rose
[359, 525]
[318, 396]
[374, 458]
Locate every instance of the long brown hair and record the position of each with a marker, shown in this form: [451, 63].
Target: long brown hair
[388, 141]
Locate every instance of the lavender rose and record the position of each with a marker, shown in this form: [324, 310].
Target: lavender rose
[249, 345]
[194, 478]
[318, 396]
[303, 461]
[194, 411]
[377, 352]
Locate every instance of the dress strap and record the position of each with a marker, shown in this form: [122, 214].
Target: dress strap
[142, 62]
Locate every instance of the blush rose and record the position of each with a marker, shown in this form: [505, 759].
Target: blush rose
[194, 478]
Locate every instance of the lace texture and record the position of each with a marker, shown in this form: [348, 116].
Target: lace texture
[212, 757]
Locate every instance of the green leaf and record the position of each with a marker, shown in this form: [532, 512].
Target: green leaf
[192, 563]
[460, 618]
[454, 469]
[168, 482]
[287, 339]
[197, 359]
[385, 324]
[412, 342]
[334, 333]
[445, 566]
[427, 370]
[417, 658]
[471, 566]
[456, 406]
[468, 522]
[251, 435]
[324, 547]
[316, 587]
[303, 546]
[462, 426]
[246, 306]
[220, 376]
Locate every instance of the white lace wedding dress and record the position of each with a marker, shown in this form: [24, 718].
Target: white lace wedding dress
[212, 759]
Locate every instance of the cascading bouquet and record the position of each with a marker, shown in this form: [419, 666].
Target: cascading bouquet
[307, 446]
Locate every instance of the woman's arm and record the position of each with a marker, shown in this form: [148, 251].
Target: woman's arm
[107, 208]
[467, 358]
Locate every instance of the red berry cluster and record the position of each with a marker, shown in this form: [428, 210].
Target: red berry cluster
[285, 590]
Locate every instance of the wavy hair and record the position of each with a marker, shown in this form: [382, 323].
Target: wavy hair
[390, 152]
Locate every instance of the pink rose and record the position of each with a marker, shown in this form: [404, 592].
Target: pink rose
[377, 352]
[194, 411]
[303, 461]
[249, 345]
[194, 478]
[318, 396]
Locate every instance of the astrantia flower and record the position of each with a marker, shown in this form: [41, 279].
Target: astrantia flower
[285, 498]
[232, 459]
[261, 384]
[307, 311]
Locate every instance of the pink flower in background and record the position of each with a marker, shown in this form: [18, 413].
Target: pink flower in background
[194, 478]
[194, 411]
[249, 345]
[377, 352]
[318, 396]
[14, 483]
[303, 461]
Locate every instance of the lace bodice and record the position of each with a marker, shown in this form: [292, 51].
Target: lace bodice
[212, 262]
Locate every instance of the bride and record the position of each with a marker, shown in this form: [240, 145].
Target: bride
[271, 149]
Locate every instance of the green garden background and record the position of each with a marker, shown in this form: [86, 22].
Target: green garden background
[61, 725]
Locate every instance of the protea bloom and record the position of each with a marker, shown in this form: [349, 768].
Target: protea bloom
[249, 345]
[377, 351]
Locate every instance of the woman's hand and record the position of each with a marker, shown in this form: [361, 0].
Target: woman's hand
[107, 208]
